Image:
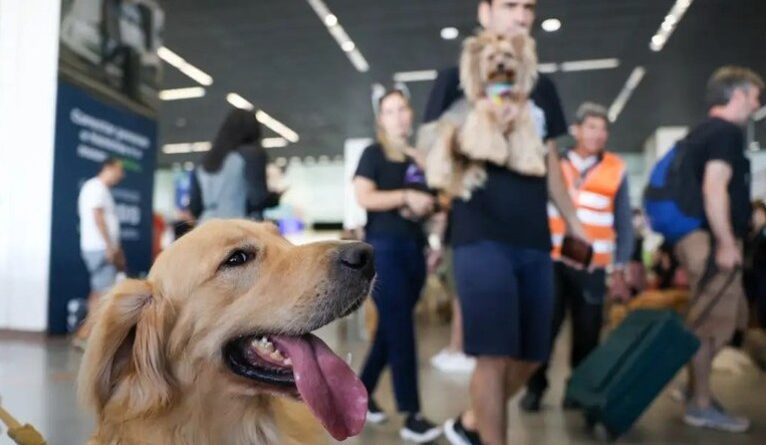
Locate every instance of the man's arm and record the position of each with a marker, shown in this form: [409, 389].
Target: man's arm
[623, 225]
[715, 186]
[558, 193]
[111, 249]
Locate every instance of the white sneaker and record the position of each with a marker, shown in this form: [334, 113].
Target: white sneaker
[457, 362]
[375, 414]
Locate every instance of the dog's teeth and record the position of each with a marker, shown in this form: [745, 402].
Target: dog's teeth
[288, 362]
[276, 355]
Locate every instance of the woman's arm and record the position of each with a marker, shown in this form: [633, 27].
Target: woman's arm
[370, 198]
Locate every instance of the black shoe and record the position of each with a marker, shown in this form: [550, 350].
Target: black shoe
[531, 402]
[570, 404]
[418, 429]
[458, 435]
[374, 413]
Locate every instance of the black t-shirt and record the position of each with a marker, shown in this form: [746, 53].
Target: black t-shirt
[719, 140]
[390, 175]
[511, 208]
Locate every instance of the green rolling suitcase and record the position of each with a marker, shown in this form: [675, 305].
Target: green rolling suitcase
[618, 381]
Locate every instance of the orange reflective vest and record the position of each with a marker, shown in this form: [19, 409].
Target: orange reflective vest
[593, 197]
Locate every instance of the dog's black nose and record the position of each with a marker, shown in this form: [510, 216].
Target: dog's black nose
[358, 257]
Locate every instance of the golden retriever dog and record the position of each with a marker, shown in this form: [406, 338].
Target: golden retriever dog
[471, 133]
[215, 346]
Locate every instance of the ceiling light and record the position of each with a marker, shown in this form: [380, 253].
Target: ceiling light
[182, 93]
[450, 33]
[274, 142]
[622, 98]
[239, 101]
[186, 147]
[669, 24]
[339, 34]
[547, 68]
[276, 126]
[589, 65]
[415, 76]
[263, 117]
[185, 67]
[330, 20]
[551, 25]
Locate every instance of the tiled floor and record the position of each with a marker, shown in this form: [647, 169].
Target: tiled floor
[37, 385]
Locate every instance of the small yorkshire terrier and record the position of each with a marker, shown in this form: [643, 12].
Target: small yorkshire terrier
[495, 73]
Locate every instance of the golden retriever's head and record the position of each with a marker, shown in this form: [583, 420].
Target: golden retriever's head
[492, 58]
[226, 312]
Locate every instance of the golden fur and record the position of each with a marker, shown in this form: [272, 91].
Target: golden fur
[153, 370]
[460, 144]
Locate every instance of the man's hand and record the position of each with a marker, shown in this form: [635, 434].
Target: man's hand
[116, 257]
[728, 257]
[434, 259]
[618, 287]
[504, 112]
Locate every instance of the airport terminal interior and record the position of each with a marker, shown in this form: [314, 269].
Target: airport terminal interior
[361, 132]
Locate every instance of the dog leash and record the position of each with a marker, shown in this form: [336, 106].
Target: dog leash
[21, 434]
[710, 270]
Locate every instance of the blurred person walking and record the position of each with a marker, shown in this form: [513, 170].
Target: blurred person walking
[391, 187]
[502, 245]
[712, 256]
[99, 237]
[597, 180]
[231, 180]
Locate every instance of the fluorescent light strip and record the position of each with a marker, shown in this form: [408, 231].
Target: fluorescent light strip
[415, 76]
[186, 147]
[547, 68]
[676, 13]
[239, 101]
[278, 127]
[198, 147]
[622, 99]
[182, 93]
[274, 142]
[263, 117]
[760, 114]
[185, 67]
[330, 20]
[587, 65]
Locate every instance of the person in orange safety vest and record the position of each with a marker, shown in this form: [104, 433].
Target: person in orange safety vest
[597, 181]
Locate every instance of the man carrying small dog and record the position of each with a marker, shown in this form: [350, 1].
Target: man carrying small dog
[502, 244]
[598, 182]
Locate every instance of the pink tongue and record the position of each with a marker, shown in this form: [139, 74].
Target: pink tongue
[326, 383]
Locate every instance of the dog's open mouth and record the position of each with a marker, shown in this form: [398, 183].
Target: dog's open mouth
[305, 366]
[505, 76]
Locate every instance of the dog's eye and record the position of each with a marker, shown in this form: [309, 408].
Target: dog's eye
[238, 258]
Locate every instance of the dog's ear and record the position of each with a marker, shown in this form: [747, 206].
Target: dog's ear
[525, 49]
[124, 362]
[470, 68]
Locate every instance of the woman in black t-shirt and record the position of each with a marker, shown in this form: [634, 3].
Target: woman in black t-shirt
[390, 185]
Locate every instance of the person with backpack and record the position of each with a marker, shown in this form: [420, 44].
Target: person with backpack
[597, 180]
[699, 199]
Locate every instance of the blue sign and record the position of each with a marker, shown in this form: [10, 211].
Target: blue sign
[88, 131]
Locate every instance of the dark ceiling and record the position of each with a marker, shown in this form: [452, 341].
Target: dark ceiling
[279, 55]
